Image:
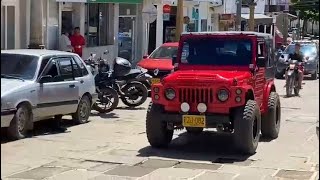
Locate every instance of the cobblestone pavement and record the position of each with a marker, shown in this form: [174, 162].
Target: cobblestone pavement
[114, 146]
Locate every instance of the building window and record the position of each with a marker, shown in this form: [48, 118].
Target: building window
[99, 30]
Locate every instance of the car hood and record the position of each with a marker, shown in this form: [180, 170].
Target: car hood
[12, 85]
[207, 76]
[161, 64]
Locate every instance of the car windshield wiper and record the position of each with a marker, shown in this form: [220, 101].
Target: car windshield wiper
[11, 77]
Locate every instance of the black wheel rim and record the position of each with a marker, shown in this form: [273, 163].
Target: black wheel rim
[105, 101]
[135, 95]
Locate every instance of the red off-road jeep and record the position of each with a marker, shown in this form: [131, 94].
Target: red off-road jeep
[222, 80]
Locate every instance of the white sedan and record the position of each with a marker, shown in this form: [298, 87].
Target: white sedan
[40, 84]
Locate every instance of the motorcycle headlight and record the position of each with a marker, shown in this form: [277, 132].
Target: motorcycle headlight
[142, 69]
[223, 95]
[170, 94]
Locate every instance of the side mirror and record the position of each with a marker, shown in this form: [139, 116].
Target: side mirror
[145, 56]
[174, 60]
[46, 78]
[261, 61]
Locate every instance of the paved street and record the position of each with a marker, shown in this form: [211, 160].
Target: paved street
[114, 146]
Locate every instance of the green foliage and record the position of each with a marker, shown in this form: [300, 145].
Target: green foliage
[308, 9]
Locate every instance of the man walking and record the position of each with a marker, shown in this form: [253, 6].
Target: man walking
[77, 41]
[65, 43]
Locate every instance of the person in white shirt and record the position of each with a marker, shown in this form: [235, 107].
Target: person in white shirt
[65, 43]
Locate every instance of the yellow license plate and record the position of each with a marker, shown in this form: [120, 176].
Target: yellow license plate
[155, 80]
[193, 121]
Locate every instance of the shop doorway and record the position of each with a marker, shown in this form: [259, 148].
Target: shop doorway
[8, 26]
[66, 21]
[126, 37]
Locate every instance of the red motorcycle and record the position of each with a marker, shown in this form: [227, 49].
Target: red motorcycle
[292, 78]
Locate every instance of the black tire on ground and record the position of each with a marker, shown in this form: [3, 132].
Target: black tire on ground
[270, 123]
[18, 127]
[289, 86]
[83, 111]
[112, 93]
[194, 131]
[247, 126]
[157, 133]
[143, 91]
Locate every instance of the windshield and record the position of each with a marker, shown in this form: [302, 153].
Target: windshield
[164, 52]
[220, 52]
[306, 49]
[18, 66]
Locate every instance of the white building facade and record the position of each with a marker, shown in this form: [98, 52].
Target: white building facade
[112, 25]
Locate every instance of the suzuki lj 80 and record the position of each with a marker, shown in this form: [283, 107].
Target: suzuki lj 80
[222, 80]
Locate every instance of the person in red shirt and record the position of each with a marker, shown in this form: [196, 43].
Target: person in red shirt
[77, 41]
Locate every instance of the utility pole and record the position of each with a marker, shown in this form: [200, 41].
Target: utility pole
[238, 19]
[252, 5]
[179, 19]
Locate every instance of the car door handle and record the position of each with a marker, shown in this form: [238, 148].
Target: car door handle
[81, 81]
[72, 86]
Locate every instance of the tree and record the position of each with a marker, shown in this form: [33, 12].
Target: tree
[308, 11]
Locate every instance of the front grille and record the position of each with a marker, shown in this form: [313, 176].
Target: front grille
[196, 95]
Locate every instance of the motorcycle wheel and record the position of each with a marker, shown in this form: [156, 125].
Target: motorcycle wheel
[289, 86]
[108, 100]
[296, 88]
[130, 98]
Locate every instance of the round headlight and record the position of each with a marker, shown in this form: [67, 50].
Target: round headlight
[170, 94]
[223, 95]
[185, 107]
[156, 90]
[238, 91]
[202, 107]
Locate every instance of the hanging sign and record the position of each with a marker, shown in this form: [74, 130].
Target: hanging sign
[166, 12]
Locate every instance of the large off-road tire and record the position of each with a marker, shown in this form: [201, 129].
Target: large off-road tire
[19, 125]
[142, 92]
[157, 133]
[194, 130]
[105, 98]
[247, 126]
[83, 111]
[270, 123]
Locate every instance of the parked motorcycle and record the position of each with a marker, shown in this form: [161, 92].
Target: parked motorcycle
[108, 98]
[129, 83]
[292, 80]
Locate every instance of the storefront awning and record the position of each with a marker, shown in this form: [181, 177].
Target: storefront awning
[116, 1]
[258, 18]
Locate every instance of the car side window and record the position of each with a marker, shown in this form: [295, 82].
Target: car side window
[51, 69]
[66, 69]
[44, 62]
[82, 66]
[76, 69]
[260, 50]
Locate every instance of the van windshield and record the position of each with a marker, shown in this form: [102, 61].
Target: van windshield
[221, 52]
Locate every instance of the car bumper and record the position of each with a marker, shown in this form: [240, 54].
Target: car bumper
[6, 117]
[94, 97]
[211, 120]
[310, 68]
